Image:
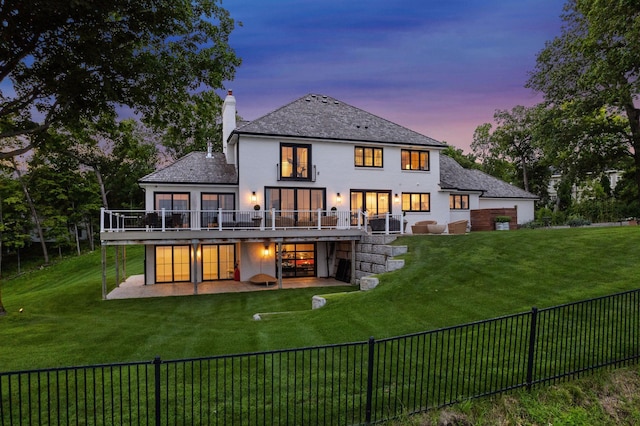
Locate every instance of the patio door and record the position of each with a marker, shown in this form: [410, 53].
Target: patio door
[173, 264]
[375, 202]
[218, 261]
[300, 203]
[298, 260]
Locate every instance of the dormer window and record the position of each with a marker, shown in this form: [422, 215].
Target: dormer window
[414, 160]
[295, 162]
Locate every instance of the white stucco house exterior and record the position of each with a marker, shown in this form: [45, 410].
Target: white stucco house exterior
[291, 185]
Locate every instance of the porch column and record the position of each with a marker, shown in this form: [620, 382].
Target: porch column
[353, 261]
[117, 256]
[279, 245]
[195, 266]
[103, 249]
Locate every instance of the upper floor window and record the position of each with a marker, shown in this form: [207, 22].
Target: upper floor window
[416, 202]
[210, 203]
[171, 201]
[458, 202]
[175, 205]
[414, 160]
[367, 157]
[295, 162]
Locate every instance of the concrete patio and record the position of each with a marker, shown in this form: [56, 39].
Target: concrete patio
[134, 288]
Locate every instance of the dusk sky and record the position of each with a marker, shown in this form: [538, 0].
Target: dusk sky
[440, 68]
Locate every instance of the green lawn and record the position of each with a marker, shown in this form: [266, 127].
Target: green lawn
[447, 280]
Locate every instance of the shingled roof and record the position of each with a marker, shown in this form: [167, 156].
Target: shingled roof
[196, 167]
[323, 117]
[455, 177]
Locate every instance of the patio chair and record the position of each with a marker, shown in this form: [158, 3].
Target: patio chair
[421, 227]
[329, 220]
[458, 227]
[285, 222]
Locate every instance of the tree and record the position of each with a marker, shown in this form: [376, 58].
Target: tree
[14, 222]
[468, 161]
[593, 68]
[118, 153]
[193, 125]
[512, 151]
[67, 62]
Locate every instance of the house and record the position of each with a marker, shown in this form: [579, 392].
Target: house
[584, 189]
[293, 188]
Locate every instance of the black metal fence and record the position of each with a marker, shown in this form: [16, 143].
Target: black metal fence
[354, 383]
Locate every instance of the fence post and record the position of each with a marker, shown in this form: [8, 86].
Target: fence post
[532, 346]
[372, 343]
[156, 363]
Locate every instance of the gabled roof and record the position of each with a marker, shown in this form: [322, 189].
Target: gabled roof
[323, 117]
[196, 167]
[455, 177]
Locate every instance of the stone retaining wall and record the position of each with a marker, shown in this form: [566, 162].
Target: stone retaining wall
[374, 255]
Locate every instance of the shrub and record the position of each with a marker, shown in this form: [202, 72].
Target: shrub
[502, 219]
[575, 221]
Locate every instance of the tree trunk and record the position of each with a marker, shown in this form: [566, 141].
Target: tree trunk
[525, 176]
[89, 226]
[103, 192]
[75, 229]
[34, 214]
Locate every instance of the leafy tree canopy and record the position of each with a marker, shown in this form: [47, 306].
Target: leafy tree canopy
[590, 74]
[513, 150]
[468, 161]
[63, 62]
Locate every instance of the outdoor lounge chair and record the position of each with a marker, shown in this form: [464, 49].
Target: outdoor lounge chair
[285, 222]
[329, 220]
[379, 224]
[421, 227]
[435, 228]
[458, 227]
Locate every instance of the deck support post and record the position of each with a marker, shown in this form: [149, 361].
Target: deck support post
[195, 266]
[103, 249]
[353, 261]
[279, 245]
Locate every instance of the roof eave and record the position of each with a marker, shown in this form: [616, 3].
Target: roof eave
[281, 135]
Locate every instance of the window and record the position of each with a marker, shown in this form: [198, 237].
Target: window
[173, 264]
[416, 202]
[211, 203]
[295, 162]
[176, 206]
[458, 202]
[298, 260]
[414, 160]
[218, 261]
[302, 203]
[171, 201]
[368, 157]
[374, 202]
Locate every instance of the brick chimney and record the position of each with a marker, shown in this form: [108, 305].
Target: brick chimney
[228, 118]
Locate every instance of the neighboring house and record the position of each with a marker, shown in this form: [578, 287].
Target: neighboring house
[290, 187]
[585, 185]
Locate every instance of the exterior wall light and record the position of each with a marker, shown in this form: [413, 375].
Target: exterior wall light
[254, 198]
[338, 198]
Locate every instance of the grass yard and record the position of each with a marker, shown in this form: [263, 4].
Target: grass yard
[447, 280]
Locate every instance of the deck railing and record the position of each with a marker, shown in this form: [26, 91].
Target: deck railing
[259, 220]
